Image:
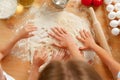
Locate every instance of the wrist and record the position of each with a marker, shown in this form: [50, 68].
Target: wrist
[73, 48]
[35, 67]
[14, 40]
[17, 37]
[71, 45]
[93, 47]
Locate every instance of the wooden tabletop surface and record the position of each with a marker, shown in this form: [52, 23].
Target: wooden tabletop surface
[19, 69]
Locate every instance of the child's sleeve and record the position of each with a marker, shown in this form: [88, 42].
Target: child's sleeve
[8, 77]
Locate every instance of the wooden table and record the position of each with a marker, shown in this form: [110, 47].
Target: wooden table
[19, 69]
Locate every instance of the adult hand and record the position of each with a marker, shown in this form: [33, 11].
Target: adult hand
[87, 39]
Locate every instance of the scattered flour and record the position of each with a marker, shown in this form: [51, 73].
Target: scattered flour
[45, 20]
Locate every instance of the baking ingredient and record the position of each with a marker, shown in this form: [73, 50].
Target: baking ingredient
[26, 3]
[114, 23]
[118, 14]
[7, 8]
[118, 1]
[117, 6]
[115, 31]
[44, 20]
[113, 8]
[110, 7]
[119, 22]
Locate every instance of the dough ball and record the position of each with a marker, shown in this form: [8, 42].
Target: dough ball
[115, 31]
[114, 23]
[110, 8]
[117, 6]
[118, 14]
[112, 15]
[119, 22]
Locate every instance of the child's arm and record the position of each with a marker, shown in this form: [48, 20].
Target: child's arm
[89, 43]
[39, 59]
[66, 41]
[23, 33]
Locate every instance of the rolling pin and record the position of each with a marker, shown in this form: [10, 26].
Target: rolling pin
[99, 32]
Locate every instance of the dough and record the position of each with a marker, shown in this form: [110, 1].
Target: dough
[110, 7]
[112, 15]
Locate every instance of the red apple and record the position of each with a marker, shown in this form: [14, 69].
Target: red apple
[86, 2]
[97, 3]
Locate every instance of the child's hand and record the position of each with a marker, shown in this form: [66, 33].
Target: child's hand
[62, 37]
[58, 56]
[25, 31]
[87, 39]
[66, 41]
[39, 58]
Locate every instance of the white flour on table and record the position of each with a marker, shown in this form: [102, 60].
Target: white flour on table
[44, 20]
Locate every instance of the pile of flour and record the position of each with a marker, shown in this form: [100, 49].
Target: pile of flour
[44, 20]
[7, 8]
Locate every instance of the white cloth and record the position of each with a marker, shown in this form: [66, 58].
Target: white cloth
[8, 77]
[118, 75]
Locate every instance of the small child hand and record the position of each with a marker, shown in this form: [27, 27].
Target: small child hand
[87, 39]
[58, 56]
[65, 41]
[39, 58]
[25, 31]
[62, 36]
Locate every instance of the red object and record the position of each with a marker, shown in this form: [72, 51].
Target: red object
[97, 3]
[87, 2]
